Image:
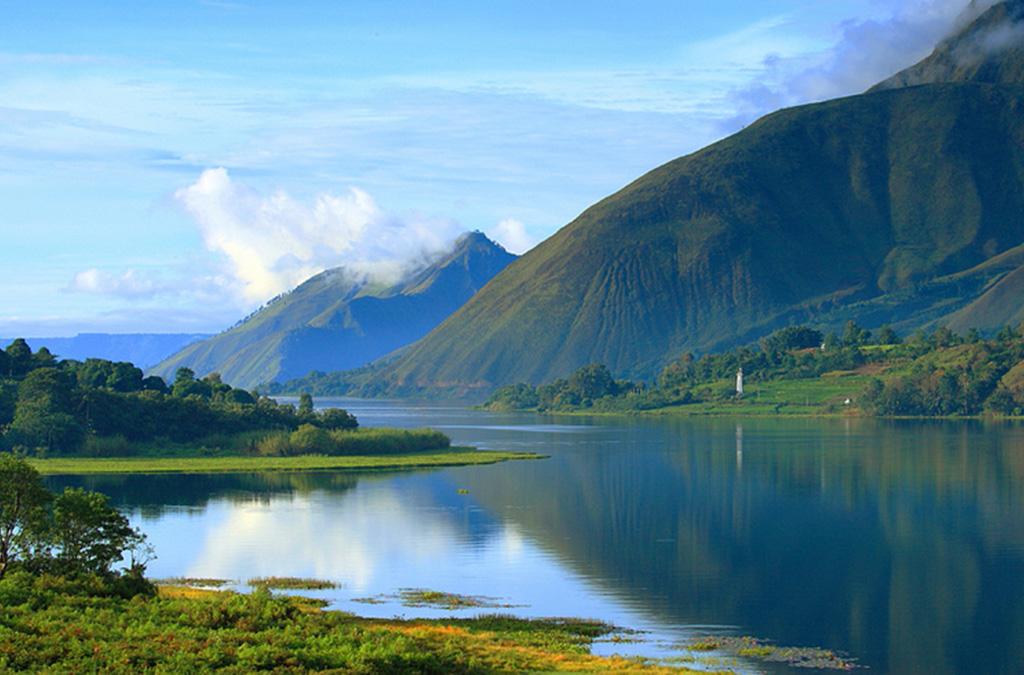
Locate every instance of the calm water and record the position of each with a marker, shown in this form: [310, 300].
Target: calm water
[899, 543]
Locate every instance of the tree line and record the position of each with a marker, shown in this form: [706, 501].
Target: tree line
[52, 406]
[937, 373]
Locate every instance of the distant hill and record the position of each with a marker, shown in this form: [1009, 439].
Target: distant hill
[142, 349]
[337, 320]
[882, 207]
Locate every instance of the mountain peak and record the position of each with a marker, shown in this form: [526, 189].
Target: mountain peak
[475, 239]
[338, 319]
[988, 48]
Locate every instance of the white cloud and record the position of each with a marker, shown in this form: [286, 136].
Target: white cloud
[866, 52]
[512, 234]
[129, 284]
[274, 241]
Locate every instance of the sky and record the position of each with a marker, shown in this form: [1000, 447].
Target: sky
[170, 166]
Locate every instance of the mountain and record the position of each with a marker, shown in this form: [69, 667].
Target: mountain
[337, 320]
[142, 349]
[882, 207]
[989, 50]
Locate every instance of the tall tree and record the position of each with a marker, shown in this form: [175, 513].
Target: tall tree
[23, 501]
[88, 534]
[19, 358]
[43, 416]
[305, 404]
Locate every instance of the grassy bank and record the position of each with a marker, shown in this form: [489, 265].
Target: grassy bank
[306, 440]
[183, 464]
[186, 630]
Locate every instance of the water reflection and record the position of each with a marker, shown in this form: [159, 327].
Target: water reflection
[902, 543]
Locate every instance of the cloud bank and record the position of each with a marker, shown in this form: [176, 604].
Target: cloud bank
[273, 242]
[865, 53]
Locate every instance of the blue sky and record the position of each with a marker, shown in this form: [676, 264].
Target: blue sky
[168, 166]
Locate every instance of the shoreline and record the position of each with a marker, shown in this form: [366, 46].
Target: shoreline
[453, 457]
[674, 411]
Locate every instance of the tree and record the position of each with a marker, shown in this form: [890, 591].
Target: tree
[336, 418]
[43, 415]
[305, 404]
[592, 382]
[944, 337]
[8, 401]
[23, 501]
[93, 374]
[887, 336]
[88, 535]
[1002, 402]
[1006, 334]
[125, 377]
[792, 338]
[19, 358]
[154, 383]
[186, 384]
[854, 335]
[43, 359]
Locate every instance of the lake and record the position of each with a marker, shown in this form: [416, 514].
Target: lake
[898, 542]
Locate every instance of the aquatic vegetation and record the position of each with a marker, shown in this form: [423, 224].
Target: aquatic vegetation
[420, 597]
[762, 650]
[198, 582]
[292, 583]
[50, 624]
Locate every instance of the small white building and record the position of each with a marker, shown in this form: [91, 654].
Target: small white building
[739, 383]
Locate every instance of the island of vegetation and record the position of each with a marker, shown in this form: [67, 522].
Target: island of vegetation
[66, 605]
[98, 416]
[801, 371]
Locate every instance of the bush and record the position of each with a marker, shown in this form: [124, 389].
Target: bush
[309, 439]
[109, 446]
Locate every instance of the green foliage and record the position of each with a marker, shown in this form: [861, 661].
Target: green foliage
[88, 536]
[583, 388]
[931, 374]
[19, 358]
[52, 624]
[305, 403]
[23, 502]
[887, 336]
[792, 338]
[945, 375]
[308, 439]
[76, 533]
[101, 408]
[43, 414]
[854, 335]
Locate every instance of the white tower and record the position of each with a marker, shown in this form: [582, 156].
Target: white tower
[739, 383]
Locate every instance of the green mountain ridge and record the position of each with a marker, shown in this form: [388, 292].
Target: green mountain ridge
[337, 320]
[883, 207]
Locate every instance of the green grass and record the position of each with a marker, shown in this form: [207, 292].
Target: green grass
[451, 457]
[46, 629]
[825, 395]
[291, 583]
